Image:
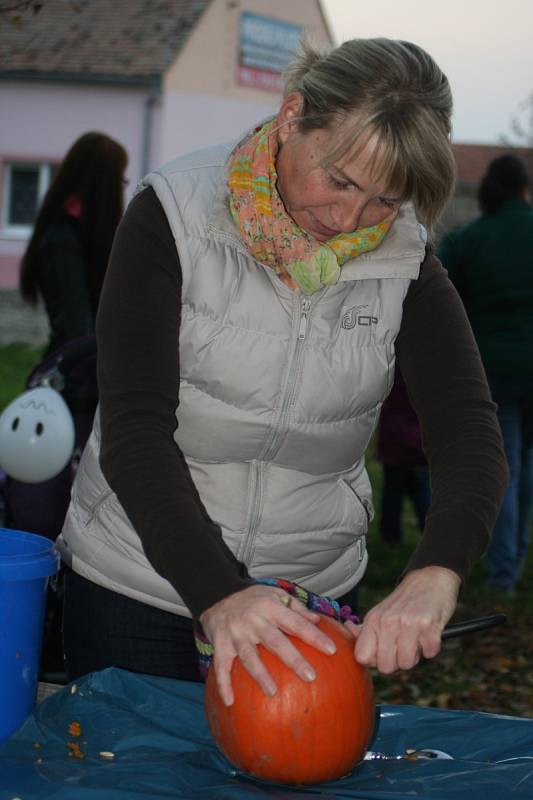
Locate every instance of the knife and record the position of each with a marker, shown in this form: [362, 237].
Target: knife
[472, 625]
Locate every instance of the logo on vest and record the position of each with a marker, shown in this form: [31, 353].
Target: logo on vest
[352, 317]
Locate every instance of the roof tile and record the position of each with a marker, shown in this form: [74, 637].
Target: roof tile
[473, 159]
[121, 39]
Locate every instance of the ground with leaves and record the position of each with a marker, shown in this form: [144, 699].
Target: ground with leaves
[489, 671]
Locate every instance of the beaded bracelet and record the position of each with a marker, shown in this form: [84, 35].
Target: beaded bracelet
[320, 604]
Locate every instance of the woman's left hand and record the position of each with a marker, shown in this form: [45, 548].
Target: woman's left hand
[407, 625]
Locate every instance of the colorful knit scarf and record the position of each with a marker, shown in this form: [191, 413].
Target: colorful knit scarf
[272, 237]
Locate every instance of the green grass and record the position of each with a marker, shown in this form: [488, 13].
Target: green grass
[16, 363]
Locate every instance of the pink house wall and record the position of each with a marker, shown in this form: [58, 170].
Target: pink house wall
[193, 121]
[40, 120]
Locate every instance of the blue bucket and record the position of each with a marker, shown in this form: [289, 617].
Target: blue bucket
[26, 563]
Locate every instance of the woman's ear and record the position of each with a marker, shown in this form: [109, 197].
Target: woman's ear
[289, 114]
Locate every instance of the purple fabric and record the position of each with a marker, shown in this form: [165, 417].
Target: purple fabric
[399, 434]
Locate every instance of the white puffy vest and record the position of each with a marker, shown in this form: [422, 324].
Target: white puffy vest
[279, 396]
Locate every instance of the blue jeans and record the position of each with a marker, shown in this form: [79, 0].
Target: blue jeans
[508, 546]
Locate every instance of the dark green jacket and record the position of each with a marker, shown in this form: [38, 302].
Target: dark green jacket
[490, 261]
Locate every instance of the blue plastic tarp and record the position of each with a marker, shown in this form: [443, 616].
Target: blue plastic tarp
[157, 731]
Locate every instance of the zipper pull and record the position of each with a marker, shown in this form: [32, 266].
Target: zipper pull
[360, 549]
[306, 305]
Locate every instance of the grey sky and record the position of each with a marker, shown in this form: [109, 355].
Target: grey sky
[484, 46]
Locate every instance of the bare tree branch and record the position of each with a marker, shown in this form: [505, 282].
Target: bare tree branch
[18, 7]
[521, 123]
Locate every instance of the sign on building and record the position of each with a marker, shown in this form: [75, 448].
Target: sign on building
[266, 46]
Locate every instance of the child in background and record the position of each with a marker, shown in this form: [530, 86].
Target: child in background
[405, 470]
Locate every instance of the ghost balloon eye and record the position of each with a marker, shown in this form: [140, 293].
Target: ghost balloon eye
[15, 424]
[39, 428]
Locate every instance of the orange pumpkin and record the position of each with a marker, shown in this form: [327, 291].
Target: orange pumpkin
[308, 732]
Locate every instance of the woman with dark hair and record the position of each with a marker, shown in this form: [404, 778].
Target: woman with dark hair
[64, 264]
[67, 255]
[491, 263]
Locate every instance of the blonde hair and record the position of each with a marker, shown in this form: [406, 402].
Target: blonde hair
[393, 91]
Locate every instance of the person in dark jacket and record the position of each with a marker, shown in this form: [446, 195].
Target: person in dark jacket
[67, 255]
[64, 265]
[490, 261]
[405, 469]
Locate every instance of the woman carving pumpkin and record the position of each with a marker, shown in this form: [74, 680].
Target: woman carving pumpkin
[258, 296]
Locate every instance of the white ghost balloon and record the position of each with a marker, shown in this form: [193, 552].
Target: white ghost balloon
[36, 436]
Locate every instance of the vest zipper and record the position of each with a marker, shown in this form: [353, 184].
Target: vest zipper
[305, 309]
[360, 547]
[294, 369]
[256, 491]
[94, 509]
[256, 485]
[304, 313]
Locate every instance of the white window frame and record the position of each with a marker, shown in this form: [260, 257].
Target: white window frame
[7, 230]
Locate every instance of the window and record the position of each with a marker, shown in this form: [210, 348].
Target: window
[25, 184]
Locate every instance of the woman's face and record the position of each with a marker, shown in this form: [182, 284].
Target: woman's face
[326, 200]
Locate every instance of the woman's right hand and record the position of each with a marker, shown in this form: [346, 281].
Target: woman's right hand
[260, 615]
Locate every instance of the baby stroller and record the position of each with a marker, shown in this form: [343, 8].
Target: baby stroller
[41, 507]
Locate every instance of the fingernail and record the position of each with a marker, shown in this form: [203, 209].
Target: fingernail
[330, 648]
[309, 674]
[272, 690]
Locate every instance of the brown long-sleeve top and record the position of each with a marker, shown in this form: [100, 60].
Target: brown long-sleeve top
[138, 373]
